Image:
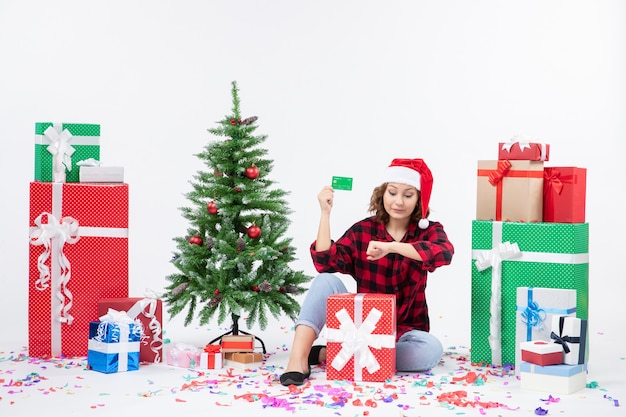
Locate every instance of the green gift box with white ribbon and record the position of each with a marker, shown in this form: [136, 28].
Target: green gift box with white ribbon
[60, 146]
[508, 255]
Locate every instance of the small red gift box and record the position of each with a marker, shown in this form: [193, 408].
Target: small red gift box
[78, 255]
[149, 310]
[510, 191]
[212, 357]
[541, 353]
[237, 343]
[529, 151]
[564, 194]
[361, 337]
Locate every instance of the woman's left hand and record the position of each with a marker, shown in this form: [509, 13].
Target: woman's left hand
[377, 250]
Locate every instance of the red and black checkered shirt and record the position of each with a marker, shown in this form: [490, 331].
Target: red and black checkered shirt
[394, 273]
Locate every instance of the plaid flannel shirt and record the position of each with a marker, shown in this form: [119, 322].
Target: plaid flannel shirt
[394, 273]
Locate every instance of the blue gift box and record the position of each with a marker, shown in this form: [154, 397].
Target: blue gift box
[560, 379]
[114, 347]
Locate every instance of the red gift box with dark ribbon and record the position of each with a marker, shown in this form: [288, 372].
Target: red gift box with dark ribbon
[510, 191]
[148, 310]
[541, 352]
[78, 254]
[361, 337]
[564, 194]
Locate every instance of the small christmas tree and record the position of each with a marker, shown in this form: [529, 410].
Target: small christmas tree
[235, 258]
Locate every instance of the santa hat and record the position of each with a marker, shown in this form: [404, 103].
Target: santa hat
[416, 173]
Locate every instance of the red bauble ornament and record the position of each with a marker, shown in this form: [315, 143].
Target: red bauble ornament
[255, 288]
[252, 172]
[196, 240]
[211, 207]
[254, 231]
[217, 291]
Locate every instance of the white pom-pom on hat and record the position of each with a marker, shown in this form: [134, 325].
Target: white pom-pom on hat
[413, 172]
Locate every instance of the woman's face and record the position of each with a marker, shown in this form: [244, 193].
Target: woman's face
[400, 200]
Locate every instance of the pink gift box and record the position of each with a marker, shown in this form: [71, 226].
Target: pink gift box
[183, 355]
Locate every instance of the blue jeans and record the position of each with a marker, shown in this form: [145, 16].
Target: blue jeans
[416, 350]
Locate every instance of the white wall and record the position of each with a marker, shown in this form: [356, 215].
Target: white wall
[340, 88]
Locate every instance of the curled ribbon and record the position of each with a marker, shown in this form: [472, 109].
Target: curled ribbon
[357, 340]
[493, 258]
[150, 301]
[496, 176]
[533, 316]
[60, 149]
[53, 235]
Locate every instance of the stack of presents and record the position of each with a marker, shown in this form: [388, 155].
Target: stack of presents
[233, 351]
[79, 302]
[78, 257]
[530, 268]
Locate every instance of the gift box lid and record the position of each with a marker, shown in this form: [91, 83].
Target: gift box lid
[541, 347]
[555, 370]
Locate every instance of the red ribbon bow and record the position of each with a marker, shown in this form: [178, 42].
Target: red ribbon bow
[500, 172]
[212, 348]
[552, 181]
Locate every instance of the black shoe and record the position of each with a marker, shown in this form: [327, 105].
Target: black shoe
[294, 378]
[314, 354]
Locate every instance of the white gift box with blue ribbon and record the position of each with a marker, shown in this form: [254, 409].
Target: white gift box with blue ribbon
[535, 309]
[114, 343]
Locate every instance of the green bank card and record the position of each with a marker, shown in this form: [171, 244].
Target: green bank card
[342, 183]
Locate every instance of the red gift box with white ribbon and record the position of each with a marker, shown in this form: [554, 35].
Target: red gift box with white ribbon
[361, 337]
[542, 353]
[212, 357]
[148, 310]
[523, 150]
[78, 254]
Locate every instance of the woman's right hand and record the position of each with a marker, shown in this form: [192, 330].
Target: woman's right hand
[325, 198]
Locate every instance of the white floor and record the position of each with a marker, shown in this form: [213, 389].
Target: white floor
[66, 388]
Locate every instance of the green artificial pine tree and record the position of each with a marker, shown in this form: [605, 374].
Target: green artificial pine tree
[235, 257]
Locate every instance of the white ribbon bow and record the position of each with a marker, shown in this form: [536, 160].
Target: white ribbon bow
[60, 149]
[504, 251]
[357, 340]
[53, 235]
[89, 162]
[524, 143]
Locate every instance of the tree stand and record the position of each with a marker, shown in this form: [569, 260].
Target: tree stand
[235, 331]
